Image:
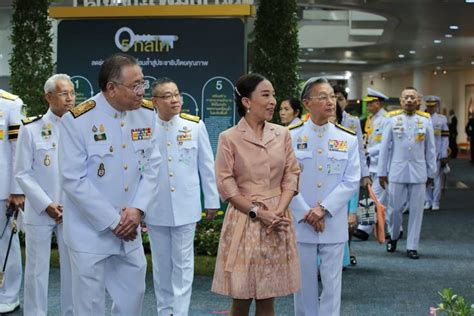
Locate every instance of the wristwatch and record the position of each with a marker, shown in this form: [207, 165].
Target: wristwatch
[325, 210]
[253, 211]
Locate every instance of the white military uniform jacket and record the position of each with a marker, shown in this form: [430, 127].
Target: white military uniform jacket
[441, 135]
[108, 160]
[187, 156]
[330, 173]
[374, 129]
[10, 120]
[36, 167]
[353, 123]
[412, 157]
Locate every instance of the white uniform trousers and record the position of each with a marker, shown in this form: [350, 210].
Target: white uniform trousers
[123, 276]
[306, 299]
[398, 194]
[433, 192]
[172, 250]
[9, 293]
[38, 251]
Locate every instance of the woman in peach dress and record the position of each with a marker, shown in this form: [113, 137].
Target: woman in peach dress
[257, 173]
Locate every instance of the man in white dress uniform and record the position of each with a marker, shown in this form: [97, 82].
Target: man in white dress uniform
[410, 164]
[188, 165]
[10, 192]
[37, 173]
[109, 159]
[330, 173]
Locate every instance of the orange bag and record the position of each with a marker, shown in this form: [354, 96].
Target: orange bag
[379, 231]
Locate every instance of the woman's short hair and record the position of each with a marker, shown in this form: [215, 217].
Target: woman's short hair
[341, 90]
[295, 105]
[244, 87]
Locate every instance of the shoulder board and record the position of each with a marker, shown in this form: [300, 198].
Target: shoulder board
[190, 117]
[147, 104]
[82, 108]
[445, 133]
[345, 129]
[296, 125]
[385, 114]
[31, 119]
[395, 113]
[421, 113]
[8, 96]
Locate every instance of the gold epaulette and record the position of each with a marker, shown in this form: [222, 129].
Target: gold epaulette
[31, 119]
[395, 112]
[190, 117]
[445, 133]
[13, 131]
[421, 113]
[385, 114]
[8, 96]
[82, 108]
[147, 104]
[296, 125]
[345, 129]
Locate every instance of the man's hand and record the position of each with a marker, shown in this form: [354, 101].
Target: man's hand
[444, 161]
[55, 211]
[211, 213]
[429, 182]
[365, 181]
[315, 217]
[129, 221]
[383, 182]
[16, 199]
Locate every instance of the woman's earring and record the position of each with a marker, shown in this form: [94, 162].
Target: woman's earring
[248, 110]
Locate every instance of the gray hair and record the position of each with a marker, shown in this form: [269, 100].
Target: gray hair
[50, 84]
[308, 85]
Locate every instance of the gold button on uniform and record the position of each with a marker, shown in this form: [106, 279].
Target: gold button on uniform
[168, 143]
[170, 158]
[126, 188]
[320, 151]
[125, 166]
[171, 174]
[173, 189]
[320, 168]
[122, 124]
[124, 145]
[319, 184]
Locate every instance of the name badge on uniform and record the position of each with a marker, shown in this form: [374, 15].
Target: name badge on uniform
[337, 145]
[141, 133]
[302, 143]
[99, 134]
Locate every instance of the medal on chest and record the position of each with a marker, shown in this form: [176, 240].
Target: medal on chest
[101, 170]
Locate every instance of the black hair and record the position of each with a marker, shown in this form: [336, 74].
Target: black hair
[244, 87]
[341, 90]
[295, 105]
[111, 69]
[160, 81]
[338, 113]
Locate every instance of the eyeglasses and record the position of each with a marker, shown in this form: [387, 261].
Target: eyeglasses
[65, 94]
[323, 97]
[136, 87]
[169, 97]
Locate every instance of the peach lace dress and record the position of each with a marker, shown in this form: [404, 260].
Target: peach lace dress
[251, 263]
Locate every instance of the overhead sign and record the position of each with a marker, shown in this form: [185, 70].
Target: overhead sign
[204, 56]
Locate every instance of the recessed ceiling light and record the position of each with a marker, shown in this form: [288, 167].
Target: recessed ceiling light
[472, 62]
[438, 67]
[439, 57]
[413, 52]
[437, 41]
[453, 27]
[448, 35]
[469, 1]
[401, 56]
[445, 72]
[435, 72]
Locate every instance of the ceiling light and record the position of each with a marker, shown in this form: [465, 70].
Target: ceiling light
[439, 57]
[472, 62]
[347, 90]
[437, 41]
[438, 67]
[309, 49]
[454, 27]
[435, 72]
[347, 75]
[412, 52]
[448, 35]
[445, 72]
[401, 56]
[469, 1]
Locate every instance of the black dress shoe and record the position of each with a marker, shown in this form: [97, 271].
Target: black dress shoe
[360, 234]
[387, 236]
[391, 245]
[353, 260]
[413, 254]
